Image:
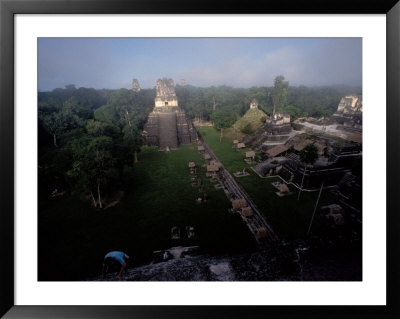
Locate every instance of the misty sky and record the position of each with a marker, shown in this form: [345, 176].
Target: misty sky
[239, 62]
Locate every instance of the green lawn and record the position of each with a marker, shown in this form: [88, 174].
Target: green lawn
[74, 237]
[289, 217]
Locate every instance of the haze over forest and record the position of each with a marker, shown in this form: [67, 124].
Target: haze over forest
[238, 62]
[123, 168]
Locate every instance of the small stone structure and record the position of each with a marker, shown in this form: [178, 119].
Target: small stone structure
[241, 173]
[239, 203]
[277, 130]
[282, 188]
[335, 213]
[250, 155]
[261, 232]
[167, 125]
[247, 211]
[276, 150]
[190, 232]
[254, 104]
[135, 85]
[278, 124]
[192, 165]
[175, 233]
[212, 168]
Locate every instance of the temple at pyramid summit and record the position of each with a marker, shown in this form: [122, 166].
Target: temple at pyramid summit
[135, 85]
[167, 125]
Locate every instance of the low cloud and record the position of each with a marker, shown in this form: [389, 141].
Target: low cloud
[297, 67]
[101, 63]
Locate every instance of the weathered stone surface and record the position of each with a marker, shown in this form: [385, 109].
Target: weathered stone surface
[277, 130]
[349, 113]
[345, 123]
[165, 97]
[349, 105]
[135, 85]
[286, 262]
[254, 104]
[167, 130]
[167, 126]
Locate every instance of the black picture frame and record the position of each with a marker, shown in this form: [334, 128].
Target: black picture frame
[9, 8]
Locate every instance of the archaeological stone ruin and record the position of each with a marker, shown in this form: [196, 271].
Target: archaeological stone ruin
[277, 130]
[349, 106]
[345, 123]
[167, 125]
[254, 104]
[338, 164]
[135, 85]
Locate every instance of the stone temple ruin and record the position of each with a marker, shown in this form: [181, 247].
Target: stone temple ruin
[167, 125]
[349, 106]
[254, 104]
[349, 111]
[345, 123]
[277, 130]
[135, 85]
[339, 162]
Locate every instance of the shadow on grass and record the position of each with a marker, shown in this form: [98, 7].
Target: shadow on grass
[74, 237]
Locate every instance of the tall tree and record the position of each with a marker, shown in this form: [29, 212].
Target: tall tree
[54, 123]
[280, 93]
[94, 165]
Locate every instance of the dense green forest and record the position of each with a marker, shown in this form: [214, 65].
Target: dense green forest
[224, 105]
[88, 138]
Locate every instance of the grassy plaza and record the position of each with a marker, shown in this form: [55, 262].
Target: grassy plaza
[160, 196]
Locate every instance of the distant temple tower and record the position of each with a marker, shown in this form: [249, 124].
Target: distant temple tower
[182, 82]
[349, 111]
[349, 105]
[135, 85]
[167, 126]
[254, 104]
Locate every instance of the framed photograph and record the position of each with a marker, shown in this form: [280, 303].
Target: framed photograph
[162, 159]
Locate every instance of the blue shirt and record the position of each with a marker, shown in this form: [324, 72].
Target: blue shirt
[117, 255]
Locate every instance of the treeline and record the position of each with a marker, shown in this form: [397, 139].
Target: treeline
[224, 105]
[89, 139]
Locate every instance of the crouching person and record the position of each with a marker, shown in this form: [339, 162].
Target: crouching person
[114, 258]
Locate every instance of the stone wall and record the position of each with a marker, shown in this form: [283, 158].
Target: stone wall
[274, 129]
[278, 119]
